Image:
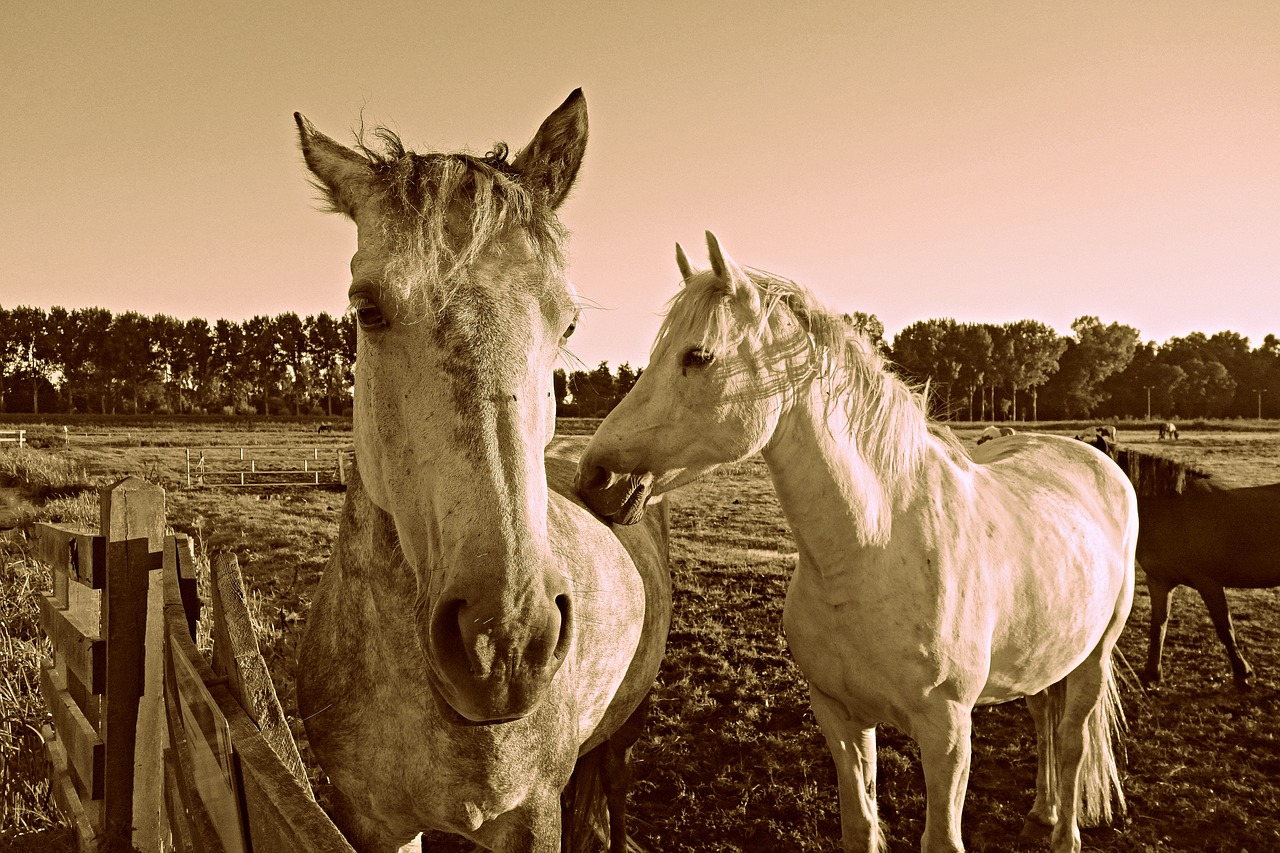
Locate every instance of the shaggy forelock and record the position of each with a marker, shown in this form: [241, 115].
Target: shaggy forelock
[444, 212]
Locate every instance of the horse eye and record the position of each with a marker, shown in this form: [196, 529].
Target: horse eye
[573, 324]
[368, 314]
[698, 357]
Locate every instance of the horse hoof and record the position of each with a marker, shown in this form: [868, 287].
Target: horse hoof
[1034, 829]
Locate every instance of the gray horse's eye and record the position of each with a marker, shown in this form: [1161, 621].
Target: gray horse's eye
[573, 325]
[698, 357]
[368, 314]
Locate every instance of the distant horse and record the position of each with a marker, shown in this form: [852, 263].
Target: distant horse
[928, 582]
[1193, 531]
[994, 432]
[1168, 429]
[1103, 438]
[478, 633]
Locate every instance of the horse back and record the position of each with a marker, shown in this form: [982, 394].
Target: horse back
[1209, 534]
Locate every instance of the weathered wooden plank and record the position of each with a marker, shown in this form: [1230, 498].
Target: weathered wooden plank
[236, 656]
[132, 520]
[78, 554]
[148, 758]
[199, 733]
[83, 817]
[174, 820]
[186, 798]
[278, 815]
[180, 563]
[76, 643]
[83, 747]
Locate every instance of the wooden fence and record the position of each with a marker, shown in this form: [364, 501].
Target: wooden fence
[267, 466]
[13, 436]
[151, 745]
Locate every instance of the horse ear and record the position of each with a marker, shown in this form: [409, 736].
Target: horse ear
[682, 261]
[551, 160]
[737, 282]
[341, 174]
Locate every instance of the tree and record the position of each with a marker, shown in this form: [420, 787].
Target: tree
[1033, 351]
[1092, 355]
[559, 386]
[30, 349]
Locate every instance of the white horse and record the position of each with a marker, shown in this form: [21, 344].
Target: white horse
[928, 582]
[993, 432]
[479, 637]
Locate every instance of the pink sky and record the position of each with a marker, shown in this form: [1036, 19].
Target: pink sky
[983, 161]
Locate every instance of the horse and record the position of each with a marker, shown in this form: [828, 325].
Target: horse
[1168, 429]
[992, 432]
[927, 582]
[1103, 438]
[1196, 532]
[479, 639]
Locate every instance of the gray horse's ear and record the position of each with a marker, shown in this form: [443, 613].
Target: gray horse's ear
[551, 160]
[682, 261]
[736, 282]
[341, 175]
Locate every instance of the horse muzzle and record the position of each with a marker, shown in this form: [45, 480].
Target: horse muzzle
[492, 665]
[619, 497]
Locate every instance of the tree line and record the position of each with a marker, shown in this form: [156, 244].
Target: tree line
[89, 360]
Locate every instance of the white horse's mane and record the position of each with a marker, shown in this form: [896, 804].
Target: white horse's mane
[887, 417]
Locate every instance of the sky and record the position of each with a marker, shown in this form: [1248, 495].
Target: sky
[985, 161]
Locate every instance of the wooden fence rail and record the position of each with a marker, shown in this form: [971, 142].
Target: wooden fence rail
[13, 436]
[150, 744]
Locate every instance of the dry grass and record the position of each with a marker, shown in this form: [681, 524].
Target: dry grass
[732, 759]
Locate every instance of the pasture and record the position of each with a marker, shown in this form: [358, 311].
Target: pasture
[731, 758]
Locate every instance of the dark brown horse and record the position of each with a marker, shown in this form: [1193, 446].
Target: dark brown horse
[1196, 532]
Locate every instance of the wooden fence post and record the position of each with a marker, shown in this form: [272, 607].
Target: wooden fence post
[132, 521]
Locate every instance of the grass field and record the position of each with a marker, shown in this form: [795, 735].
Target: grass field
[732, 759]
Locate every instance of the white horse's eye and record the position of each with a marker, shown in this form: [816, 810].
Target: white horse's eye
[698, 357]
[573, 325]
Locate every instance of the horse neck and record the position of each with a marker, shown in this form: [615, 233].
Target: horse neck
[834, 495]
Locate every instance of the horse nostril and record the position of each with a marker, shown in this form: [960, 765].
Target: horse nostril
[565, 638]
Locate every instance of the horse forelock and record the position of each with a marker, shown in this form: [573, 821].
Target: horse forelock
[441, 214]
[885, 415]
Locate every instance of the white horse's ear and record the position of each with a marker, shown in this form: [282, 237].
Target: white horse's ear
[551, 160]
[341, 174]
[682, 261]
[737, 282]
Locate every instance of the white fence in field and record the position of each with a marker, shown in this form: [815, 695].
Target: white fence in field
[16, 437]
[267, 466]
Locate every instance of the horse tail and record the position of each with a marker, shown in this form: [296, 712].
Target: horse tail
[1101, 795]
[593, 804]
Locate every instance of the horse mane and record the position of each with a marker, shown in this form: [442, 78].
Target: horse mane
[1153, 475]
[443, 212]
[886, 415]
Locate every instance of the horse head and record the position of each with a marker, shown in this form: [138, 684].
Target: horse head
[462, 304]
[716, 385]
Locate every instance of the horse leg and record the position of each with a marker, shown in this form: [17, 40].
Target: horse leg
[1215, 598]
[945, 752]
[853, 746]
[1160, 591]
[1087, 776]
[1044, 814]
